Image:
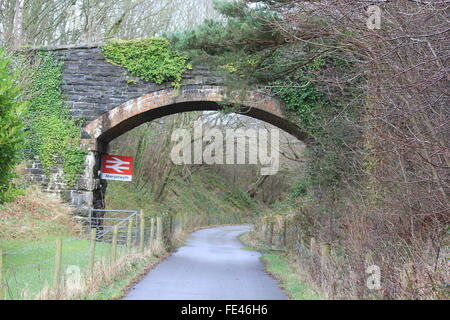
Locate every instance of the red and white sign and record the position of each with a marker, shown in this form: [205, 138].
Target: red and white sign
[116, 168]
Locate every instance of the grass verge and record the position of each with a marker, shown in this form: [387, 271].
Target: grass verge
[118, 286]
[278, 264]
[29, 227]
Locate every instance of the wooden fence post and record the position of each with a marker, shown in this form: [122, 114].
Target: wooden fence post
[142, 232]
[2, 289]
[57, 267]
[152, 232]
[159, 230]
[266, 230]
[325, 251]
[368, 259]
[302, 247]
[406, 280]
[130, 233]
[271, 233]
[312, 246]
[114, 244]
[92, 243]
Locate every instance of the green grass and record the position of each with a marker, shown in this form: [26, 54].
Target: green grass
[292, 282]
[31, 266]
[276, 263]
[120, 284]
[29, 227]
[205, 195]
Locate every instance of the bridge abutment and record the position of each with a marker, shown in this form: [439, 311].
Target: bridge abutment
[88, 192]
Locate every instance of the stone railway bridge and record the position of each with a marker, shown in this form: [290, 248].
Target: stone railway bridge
[109, 104]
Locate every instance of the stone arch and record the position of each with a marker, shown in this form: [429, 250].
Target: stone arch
[157, 104]
[90, 190]
[102, 96]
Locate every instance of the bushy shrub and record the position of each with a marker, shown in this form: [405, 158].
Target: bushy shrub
[11, 133]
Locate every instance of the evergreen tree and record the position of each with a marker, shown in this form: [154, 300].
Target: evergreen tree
[259, 41]
[297, 57]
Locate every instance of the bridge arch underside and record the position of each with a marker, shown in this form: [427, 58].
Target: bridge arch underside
[155, 114]
[99, 132]
[162, 103]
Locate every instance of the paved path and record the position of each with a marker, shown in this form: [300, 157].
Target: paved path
[211, 265]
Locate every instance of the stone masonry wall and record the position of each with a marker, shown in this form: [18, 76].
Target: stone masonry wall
[92, 86]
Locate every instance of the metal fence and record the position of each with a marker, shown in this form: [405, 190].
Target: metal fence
[106, 220]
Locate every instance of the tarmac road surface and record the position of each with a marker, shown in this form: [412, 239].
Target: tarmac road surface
[212, 265]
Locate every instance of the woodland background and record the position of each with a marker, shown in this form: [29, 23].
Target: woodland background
[374, 185]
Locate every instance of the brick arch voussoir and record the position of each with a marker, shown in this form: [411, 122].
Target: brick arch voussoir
[189, 98]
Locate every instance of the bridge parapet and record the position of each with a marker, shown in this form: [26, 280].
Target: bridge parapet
[93, 86]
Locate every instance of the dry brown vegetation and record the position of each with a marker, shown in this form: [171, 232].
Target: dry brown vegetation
[35, 214]
[393, 209]
[106, 274]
